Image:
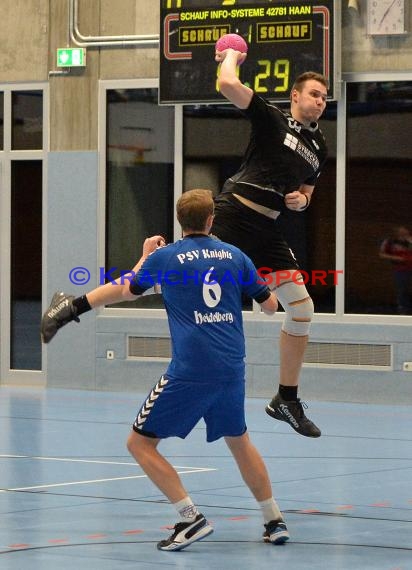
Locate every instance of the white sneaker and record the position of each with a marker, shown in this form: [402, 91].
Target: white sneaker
[186, 533]
[276, 532]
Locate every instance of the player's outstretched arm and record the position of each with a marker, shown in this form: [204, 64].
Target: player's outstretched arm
[62, 310]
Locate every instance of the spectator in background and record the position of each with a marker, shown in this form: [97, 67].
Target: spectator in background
[398, 249]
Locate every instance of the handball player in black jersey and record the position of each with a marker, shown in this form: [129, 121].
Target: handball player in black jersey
[282, 162]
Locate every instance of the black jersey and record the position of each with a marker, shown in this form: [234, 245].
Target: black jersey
[282, 154]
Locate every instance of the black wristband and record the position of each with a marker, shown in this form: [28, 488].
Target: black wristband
[263, 296]
[82, 305]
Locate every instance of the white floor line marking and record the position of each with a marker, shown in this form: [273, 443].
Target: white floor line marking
[68, 459]
[99, 462]
[68, 484]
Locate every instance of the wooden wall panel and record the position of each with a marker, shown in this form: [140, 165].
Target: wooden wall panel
[74, 97]
[136, 17]
[24, 27]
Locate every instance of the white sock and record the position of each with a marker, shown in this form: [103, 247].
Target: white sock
[186, 509]
[270, 510]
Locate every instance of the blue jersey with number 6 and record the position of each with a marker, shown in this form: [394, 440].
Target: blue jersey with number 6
[202, 281]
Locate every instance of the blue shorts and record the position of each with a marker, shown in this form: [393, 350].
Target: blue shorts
[174, 407]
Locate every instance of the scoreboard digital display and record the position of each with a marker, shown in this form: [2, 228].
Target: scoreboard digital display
[285, 38]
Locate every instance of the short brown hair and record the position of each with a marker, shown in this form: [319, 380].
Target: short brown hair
[307, 76]
[193, 208]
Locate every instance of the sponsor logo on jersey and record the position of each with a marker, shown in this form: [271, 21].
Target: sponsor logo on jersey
[297, 146]
[206, 254]
[213, 317]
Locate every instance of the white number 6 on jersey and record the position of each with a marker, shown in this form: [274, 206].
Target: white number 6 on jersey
[212, 292]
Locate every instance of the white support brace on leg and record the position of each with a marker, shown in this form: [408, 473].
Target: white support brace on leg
[298, 306]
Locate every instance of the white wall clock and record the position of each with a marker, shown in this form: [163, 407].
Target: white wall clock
[385, 17]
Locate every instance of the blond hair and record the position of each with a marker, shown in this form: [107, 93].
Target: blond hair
[193, 209]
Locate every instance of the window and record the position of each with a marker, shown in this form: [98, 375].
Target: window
[27, 120]
[26, 264]
[23, 142]
[215, 138]
[139, 179]
[317, 242]
[378, 193]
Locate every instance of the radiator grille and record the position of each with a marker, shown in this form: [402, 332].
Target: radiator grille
[348, 354]
[329, 353]
[149, 347]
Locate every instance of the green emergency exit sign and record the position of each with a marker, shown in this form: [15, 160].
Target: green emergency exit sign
[71, 57]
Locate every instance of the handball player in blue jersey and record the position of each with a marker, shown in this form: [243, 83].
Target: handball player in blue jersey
[202, 281]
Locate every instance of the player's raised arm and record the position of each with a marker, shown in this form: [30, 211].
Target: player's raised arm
[229, 84]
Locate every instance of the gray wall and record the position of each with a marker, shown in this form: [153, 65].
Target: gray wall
[72, 242]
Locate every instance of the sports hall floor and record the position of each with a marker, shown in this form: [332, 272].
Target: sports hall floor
[71, 497]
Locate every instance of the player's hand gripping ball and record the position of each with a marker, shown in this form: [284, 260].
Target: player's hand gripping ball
[233, 41]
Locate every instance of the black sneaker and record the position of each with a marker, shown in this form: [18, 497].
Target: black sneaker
[276, 532]
[293, 414]
[60, 312]
[186, 533]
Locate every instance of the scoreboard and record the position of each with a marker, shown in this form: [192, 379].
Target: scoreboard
[285, 38]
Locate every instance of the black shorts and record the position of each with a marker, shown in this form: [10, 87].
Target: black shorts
[255, 234]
